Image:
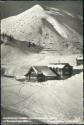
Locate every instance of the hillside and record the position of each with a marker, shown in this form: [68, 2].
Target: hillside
[53, 29]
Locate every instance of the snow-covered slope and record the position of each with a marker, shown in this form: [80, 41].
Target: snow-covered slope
[51, 102]
[30, 26]
[24, 26]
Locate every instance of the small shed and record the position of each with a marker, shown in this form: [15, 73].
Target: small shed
[79, 60]
[40, 73]
[61, 69]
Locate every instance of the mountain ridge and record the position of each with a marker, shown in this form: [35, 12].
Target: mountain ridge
[28, 26]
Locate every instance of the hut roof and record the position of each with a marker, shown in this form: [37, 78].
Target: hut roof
[79, 58]
[57, 65]
[44, 69]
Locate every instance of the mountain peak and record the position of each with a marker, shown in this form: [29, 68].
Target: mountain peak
[37, 7]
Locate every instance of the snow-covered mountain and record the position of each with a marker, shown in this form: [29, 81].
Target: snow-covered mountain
[47, 27]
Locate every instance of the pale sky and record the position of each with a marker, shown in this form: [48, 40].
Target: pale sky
[10, 8]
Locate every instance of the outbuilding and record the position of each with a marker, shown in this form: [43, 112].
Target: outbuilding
[40, 73]
[79, 60]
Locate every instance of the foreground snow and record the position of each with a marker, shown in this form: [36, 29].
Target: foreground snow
[52, 101]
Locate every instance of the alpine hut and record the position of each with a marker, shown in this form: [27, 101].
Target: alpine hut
[63, 70]
[40, 73]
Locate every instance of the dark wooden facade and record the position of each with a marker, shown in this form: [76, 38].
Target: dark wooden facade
[40, 74]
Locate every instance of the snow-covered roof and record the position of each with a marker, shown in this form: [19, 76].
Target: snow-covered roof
[79, 58]
[44, 70]
[56, 66]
